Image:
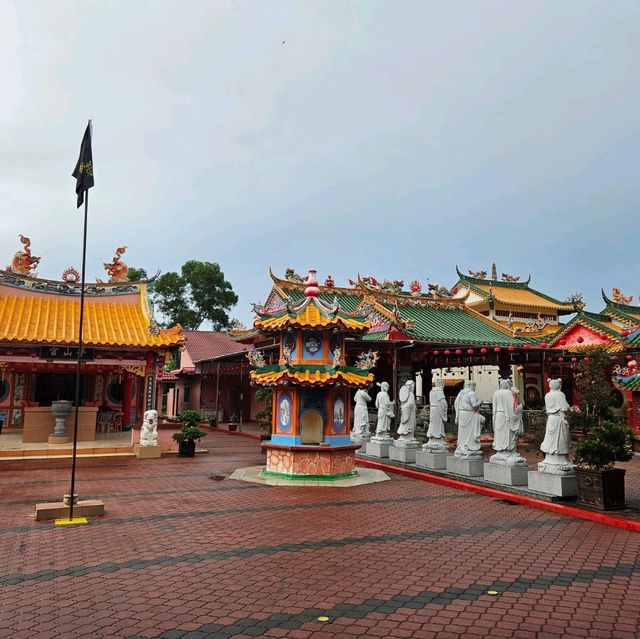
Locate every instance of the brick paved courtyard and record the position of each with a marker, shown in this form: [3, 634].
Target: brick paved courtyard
[183, 553]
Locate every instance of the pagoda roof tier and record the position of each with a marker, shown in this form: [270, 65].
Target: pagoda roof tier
[45, 312]
[516, 294]
[311, 375]
[624, 312]
[600, 330]
[628, 383]
[308, 312]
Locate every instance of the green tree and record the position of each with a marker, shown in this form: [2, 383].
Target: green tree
[199, 293]
[136, 274]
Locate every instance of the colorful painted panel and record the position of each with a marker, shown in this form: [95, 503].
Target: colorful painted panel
[312, 345]
[284, 413]
[4, 392]
[289, 342]
[339, 421]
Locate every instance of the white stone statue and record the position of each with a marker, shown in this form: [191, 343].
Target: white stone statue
[360, 429]
[407, 426]
[557, 436]
[507, 425]
[385, 414]
[470, 423]
[458, 399]
[437, 419]
[149, 430]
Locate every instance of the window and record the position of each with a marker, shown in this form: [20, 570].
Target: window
[187, 393]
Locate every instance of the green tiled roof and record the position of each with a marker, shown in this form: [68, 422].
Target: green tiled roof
[633, 339]
[347, 302]
[374, 336]
[454, 326]
[631, 383]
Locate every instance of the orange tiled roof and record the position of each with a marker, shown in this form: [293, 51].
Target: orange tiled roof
[29, 316]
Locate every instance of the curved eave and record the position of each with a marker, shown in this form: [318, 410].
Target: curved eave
[273, 325]
[631, 383]
[479, 280]
[305, 376]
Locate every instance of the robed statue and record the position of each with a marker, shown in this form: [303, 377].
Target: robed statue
[470, 423]
[507, 425]
[407, 425]
[437, 419]
[385, 413]
[360, 429]
[557, 436]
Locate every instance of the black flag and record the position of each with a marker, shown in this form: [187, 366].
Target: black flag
[84, 167]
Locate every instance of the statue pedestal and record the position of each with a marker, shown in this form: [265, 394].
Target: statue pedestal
[401, 454]
[378, 449]
[549, 484]
[147, 452]
[465, 467]
[434, 461]
[59, 439]
[506, 475]
[363, 444]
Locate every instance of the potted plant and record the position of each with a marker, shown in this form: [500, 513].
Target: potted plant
[187, 438]
[599, 483]
[189, 434]
[233, 423]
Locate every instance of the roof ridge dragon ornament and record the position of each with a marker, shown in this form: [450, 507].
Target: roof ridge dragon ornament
[23, 263]
[117, 269]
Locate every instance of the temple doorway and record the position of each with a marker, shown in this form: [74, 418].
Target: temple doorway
[311, 428]
[50, 387]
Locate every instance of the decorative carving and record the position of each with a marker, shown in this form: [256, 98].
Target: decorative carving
[510, 278]
[415, 288]
[536, 324]
[70, 275]
[576, 299]
[329, 283]
[337, 356]
[117, 269]
[149, 430]
[481, 275]
[367, 361]
[435, 290]
[23, 263]
[618, 297]
[400, 321]
[291, 276]
[154, 327]
[256, 358]
[135, 370]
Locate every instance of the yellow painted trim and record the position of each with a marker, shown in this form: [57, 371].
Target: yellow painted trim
[76, 521]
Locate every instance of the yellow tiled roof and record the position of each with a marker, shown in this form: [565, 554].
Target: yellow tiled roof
[54, 319]
[311, 377]
[521, 297]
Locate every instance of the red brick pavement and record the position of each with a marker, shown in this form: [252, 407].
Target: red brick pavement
[183, 554]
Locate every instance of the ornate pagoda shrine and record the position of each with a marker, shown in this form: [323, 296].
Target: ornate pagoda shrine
[311, 385]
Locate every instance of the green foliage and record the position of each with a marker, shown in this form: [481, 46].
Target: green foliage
[264, 395]
[188, 433]
[190, 417]
[199, 293]
[608, 443]
[136, 274]
[593, 384]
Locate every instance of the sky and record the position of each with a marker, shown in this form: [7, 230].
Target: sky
[396, 139]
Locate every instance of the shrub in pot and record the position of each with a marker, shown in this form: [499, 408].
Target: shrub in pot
[599, 483]
[187, 437]
[233, 423]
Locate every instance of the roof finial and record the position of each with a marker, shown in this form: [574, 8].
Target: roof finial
[494, 272]
[312, 289]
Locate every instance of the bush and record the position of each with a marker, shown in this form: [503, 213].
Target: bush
[188, 433]
[190, 417]
[264, 395]
[608, 443]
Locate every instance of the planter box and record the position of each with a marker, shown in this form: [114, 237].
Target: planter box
[602, 489]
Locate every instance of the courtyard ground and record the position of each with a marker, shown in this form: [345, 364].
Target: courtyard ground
[185, 552]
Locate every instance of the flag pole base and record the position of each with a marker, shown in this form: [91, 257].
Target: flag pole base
[76, 521]
[58, 510]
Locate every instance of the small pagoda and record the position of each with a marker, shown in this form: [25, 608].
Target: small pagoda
[310, 431]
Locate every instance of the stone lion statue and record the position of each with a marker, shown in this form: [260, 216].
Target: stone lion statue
[149, 430]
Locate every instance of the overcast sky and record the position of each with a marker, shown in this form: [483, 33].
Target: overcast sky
[396, 138]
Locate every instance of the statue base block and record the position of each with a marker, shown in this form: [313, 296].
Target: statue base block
[376, 449]
[506, 475]
[548, 484]
[433, 461]
[465, 467]
[147, 452]
[58, 510]
[406, 455]
[59, 439]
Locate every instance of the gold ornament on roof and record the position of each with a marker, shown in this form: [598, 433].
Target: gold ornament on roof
[117, 269]
[23, 263]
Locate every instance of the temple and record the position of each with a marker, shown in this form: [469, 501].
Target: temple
[311, 401]
[123, 348]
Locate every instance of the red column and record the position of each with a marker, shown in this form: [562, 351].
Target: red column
[126, 398]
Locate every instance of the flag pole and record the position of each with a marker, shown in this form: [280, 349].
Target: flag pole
[79, 360]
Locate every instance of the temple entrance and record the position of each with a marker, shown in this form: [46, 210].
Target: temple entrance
[50, 387]
[311, 428]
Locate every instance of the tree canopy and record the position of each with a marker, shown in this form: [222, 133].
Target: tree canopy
[136, 274]
[198, 294]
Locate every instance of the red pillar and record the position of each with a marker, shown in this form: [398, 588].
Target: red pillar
[126, 398]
